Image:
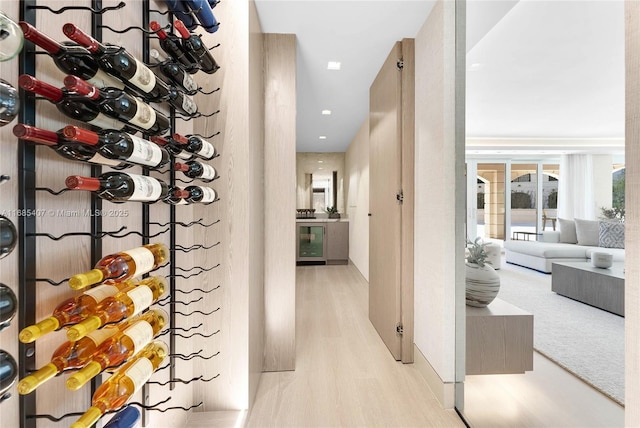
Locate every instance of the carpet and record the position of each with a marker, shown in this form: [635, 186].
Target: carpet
[587, 341]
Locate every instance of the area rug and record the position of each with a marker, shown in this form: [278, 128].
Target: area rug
[586, 341]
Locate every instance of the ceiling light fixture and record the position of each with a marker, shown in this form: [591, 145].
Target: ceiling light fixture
[320, 161]
[333, 65]
[326, 112]
[322, 137]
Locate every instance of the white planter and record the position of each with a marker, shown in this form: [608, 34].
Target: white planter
[482, 285]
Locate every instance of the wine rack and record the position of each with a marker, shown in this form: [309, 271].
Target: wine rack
[147, 230]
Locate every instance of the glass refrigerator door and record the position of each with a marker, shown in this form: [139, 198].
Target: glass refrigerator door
[311, 243]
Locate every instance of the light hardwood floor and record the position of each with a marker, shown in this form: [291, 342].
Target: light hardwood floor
[344, 376]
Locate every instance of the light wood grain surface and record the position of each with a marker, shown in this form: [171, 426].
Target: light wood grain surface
[344, 374]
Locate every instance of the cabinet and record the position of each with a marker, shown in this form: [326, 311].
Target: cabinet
[322, 242]
[337, 242]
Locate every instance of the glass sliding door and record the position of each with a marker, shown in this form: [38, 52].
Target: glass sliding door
[490, 201]
[524, 200]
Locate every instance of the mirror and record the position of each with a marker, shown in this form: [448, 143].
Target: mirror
[320, 182]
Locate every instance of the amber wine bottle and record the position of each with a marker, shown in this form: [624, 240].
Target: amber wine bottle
[71, 311]
[127, 303]
[124, 383]
[120, 347]
[68, 356]
[124, 265]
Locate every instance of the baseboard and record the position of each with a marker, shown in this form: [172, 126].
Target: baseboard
[443, 391]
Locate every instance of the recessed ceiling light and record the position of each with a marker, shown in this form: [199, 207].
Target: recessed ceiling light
[475, 66]
[320, 169]
[322, 137]
[333, 65]
[326, 112]
[320, 161]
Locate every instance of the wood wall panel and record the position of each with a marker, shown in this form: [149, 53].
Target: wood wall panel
[632, 223]
[280, 201]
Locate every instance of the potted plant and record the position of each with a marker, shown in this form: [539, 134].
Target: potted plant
[482, 281]
[333, 212]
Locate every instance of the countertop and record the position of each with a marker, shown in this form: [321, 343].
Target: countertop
[321, 220]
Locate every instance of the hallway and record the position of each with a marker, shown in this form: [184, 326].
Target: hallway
[344, 376]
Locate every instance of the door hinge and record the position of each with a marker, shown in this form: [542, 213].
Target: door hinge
[400, 197]
[400, 64]
[399, 328]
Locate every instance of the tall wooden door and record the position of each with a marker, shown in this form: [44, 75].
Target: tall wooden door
[391, 218]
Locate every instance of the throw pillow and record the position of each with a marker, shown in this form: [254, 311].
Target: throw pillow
[588, 232]
[567, 231]
[611, 235]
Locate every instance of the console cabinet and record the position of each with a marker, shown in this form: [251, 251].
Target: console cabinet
[322, 241]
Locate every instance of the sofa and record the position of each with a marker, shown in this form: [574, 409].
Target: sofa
[576, 240]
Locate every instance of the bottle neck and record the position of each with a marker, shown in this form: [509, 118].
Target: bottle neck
[38, 135]
[77, 182]
[75, 133]
[40, 39]
[155, 26]
[179, 166]
[82, 38]
[76, 84]
[41, 88]
[184, 32]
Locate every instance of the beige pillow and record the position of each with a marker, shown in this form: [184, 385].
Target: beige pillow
[588, 232]
[567, 231]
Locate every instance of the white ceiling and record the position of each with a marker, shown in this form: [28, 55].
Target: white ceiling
[535, 69]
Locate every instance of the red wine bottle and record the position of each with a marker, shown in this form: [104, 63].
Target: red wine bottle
[201, 194]
[73, 105]
[177, 196]
[121, 187]
[174, 147]
[120, 146]
[195, 169]
[116, 61]
[182, 101]
[71, 59]
[119, 105]
[63, 146]
[175, 73]
[196, 145]
[170, 43]
[193, 44]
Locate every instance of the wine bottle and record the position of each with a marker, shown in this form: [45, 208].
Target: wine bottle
[195, 169]
[68, 356]
[200, 194]
[174, 147]
[121, 187]
[124, 383]
[125, 418]
[175, 73]
[193, 44]
[9, 102]
[170, 43]
[116, 61]
[11, 39]
[127, 303]
[182, 101]
[71, 311]
[118, 348]
[120, 146]
[8, 306]
[8, 236]
[124, 265]
[119, 105]
[8, 372]
[64, 147]
[73, 105]
[177, 197]
[71, 59]
[196, 145]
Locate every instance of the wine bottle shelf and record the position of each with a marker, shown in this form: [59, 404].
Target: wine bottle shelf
[95, 11]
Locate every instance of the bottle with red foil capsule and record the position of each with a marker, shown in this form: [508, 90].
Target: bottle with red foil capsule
[175, 73]
[200, 195]
[120, 146]
[192, 43]
[127, 303]
[121, 187]
[116, 61]
[174, 147]
[71, 59]
[170, 43]
[67, 357]
[71, 104]
[177, 196]
[71, 311]
[196, 145]
[64, 147]
[114, 351]
[117, 104]
[195, 169]
[116, 391]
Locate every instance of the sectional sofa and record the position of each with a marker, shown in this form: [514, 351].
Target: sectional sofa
[575, 241]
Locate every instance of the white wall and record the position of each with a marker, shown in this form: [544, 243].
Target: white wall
[440, 195]
[602, 181]
[357, 198]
